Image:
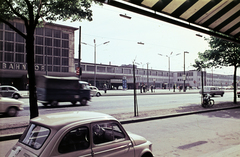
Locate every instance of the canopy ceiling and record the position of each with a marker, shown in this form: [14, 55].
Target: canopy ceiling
[207, 16]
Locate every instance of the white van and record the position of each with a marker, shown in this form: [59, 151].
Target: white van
[212, 90]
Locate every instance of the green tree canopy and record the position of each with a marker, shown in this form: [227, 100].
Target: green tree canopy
[221, 53]
[32, 12]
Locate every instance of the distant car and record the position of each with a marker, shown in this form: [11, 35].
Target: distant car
[95, 91]
[10, 107]
[10, 91]
[79, 133]
[212, 90]
[238, 93]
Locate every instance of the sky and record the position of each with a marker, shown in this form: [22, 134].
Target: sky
[160, 40]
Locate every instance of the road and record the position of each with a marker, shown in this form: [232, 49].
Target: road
[201, 135]
[123, 104]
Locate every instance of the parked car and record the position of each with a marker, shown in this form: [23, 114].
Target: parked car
[10, 107]
[238, 93]
[212, 90]
[10, 91]
[79, 133]
[95, 91]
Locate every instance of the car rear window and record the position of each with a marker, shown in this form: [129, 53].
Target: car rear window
[35, 136]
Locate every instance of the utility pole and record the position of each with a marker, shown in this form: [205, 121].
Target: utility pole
[79, 54]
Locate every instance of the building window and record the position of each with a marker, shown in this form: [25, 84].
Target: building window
[39, 40]
[8, 28]
[1, 35]
[49, 60]
[65, 53]
[48, 50]
[9, 36]
[56, 52]
[9, 57]
[1, 56]
[39, 59]
[48, 41]
[57, 33]
[56, 69]
[1, 45]
[64, 69]
[19, 57]
[65, 44]
[48, 32]
[39, 31]
[64, 61]
[49, 68]
[39, 50]
[19, 47]
[19, 38]
[20, 27]
[9, 46]
[1, 25]
[56, 61]
[65, 36]
[57, 42]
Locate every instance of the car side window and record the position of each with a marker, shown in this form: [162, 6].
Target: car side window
[4, 88]
[106, 132]
[75, 140]
[9, 88]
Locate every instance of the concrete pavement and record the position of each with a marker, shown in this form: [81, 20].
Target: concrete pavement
[12, 128]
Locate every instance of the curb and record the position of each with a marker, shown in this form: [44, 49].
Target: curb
[129, 121]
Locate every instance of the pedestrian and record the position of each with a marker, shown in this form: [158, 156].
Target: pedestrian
[144, 88]
[141, 88]
[151, 88]
[105, 88]
[173, 88]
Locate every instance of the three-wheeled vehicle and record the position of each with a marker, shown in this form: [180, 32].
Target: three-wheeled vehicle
[51, 90]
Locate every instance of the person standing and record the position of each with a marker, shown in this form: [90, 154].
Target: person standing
[105, 88]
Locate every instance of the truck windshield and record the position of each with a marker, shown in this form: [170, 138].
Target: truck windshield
[35, 136]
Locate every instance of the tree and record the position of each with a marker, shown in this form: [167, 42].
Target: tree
[32, 12]
[222, 53]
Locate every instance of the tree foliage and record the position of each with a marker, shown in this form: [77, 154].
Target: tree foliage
[221, 53]
[32, 12]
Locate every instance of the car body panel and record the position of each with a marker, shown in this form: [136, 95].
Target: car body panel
[6, 103]
[75, 134]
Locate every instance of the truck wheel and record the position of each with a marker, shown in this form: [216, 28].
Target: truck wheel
[12, 112]
[54, 103]
[83, 102]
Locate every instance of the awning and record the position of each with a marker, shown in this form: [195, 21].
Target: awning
[206, 16]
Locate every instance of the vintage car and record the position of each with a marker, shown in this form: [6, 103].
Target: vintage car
[10, 107]
[95, 91]
[79, 133]
[211, 90]
[10, 91]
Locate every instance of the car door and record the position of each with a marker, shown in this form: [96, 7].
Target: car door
[75, 143]
[11, 91]
[110, 140]
[4, 91]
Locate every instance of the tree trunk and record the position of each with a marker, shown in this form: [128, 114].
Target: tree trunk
[31, 73]
[235, 85]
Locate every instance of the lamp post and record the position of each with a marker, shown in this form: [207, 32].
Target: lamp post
[95, 53]
[168, 56]
[184, 76]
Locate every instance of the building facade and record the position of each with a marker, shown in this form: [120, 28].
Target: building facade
[54, 52]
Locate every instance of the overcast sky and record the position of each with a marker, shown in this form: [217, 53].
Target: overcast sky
[124, 34]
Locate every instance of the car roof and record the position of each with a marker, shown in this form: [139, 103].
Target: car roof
[58, 120]
[8, 86]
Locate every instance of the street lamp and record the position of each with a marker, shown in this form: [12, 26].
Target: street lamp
[169, 67]
[95, 51]
[184, 76]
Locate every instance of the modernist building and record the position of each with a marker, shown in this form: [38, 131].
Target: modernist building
[114, 76]
[54, 52]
